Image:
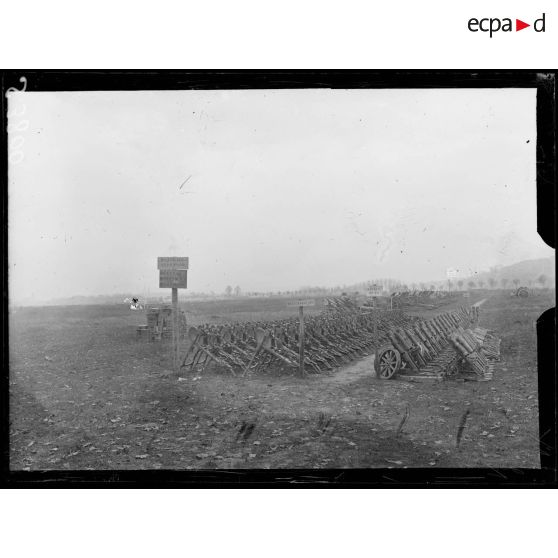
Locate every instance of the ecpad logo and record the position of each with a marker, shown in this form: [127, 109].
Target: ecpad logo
[493, 25]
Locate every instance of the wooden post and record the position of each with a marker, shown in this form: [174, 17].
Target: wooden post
[175, 329]
[376, 342]
[301, 341]
[173, 274]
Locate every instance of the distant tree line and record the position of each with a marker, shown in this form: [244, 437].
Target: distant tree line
[389, 285]
[493, 283]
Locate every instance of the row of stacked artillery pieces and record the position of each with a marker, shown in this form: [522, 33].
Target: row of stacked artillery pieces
[440, 347]
[427, 299]
[334, 339]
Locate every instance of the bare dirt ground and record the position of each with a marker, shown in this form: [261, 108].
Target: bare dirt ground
[85, 393]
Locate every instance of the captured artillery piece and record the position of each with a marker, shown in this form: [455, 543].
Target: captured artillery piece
[425, 299]
[160, 324]
[439, 347]
[521, 292]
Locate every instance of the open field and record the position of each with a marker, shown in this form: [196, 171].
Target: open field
[86, 393]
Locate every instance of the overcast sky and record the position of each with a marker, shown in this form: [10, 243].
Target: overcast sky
[283, 188]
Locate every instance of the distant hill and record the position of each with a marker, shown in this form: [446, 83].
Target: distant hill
[526, 271]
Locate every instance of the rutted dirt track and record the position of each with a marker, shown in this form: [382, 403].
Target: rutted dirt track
[85, 393]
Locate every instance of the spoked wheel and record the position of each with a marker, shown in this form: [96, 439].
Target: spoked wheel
[388, 363]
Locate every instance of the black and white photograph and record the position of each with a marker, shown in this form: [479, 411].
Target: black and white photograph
[282, 278]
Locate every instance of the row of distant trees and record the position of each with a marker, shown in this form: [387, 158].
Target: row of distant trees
[229, 291]
[388, 285]
[391, 285]
[237, 291]
[504, 282]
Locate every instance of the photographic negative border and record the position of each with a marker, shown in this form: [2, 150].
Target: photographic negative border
[542, 80]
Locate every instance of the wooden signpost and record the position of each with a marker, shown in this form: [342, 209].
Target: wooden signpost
[467, 295]
[451, 273]
[173, 274]
[375, 291]
[301, 304]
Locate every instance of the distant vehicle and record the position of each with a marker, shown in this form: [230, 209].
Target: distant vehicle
[522, 292]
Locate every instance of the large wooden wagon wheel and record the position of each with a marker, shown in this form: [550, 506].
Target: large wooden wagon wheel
[387, 363]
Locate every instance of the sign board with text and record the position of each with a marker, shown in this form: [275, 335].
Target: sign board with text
[173, 278]
[172, 263]
[375, 290]
[303, 303]
[451, 273]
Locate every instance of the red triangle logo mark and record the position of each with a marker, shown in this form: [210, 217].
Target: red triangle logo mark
[519, 25]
